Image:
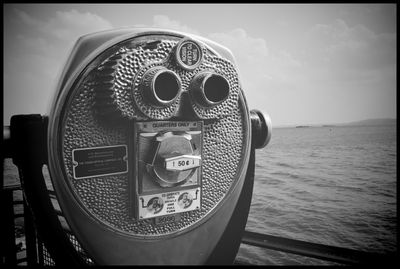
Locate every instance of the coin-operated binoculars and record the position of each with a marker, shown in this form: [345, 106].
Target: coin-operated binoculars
[150, 147]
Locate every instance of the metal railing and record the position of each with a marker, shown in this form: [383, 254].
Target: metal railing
[12, 253]
[36, 254]
[314, 250]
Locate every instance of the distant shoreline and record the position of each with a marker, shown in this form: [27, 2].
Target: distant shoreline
[368, 122]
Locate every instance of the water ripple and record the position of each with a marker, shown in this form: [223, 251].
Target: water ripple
[336, 188]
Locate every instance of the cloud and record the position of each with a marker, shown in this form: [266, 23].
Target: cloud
[341, 46]
[266, 74]
[162, 21]
[245, 47]
[66, 25]
[27, 19]
[48, 41]
[37, 45]
[254, 51]
[285, 59]
[260, 67]
[35, 50]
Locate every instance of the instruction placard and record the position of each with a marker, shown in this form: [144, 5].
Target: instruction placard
[162, 204]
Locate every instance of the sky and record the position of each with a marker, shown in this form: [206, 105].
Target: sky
[300, 63]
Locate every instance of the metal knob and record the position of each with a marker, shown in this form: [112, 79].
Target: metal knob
[174, 161]
[188, 54]
[261, 128]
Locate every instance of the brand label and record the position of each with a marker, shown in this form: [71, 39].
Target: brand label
[99, 161]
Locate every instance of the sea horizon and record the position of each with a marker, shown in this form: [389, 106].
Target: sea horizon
[365, 122]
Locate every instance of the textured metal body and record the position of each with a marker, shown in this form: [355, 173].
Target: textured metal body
[97, 106]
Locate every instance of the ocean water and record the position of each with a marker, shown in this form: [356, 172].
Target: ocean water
[328, 185]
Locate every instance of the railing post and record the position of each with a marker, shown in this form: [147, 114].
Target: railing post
[40, 251]
[28, 138]
[30, 236]
[8, 247]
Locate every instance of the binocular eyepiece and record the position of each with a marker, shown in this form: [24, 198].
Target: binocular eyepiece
[161, 86]
[209, 89]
